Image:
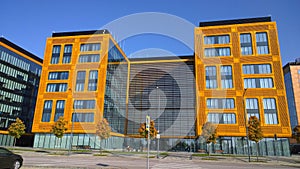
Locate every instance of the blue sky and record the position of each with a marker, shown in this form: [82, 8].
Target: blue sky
[29, 23]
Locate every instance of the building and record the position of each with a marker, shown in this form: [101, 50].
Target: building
[236, 70]
[19, 81]
[77, 84]
[292, 78]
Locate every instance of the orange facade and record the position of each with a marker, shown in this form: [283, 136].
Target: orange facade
[237, 61]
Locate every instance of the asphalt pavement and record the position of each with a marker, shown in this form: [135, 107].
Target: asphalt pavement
[56, 159]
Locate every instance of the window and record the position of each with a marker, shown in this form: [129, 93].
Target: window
[58, 75]
[270, 111]
[220, 103]
[89, 58]
[89, 47]
[246, 44]
[211, 77]
[252, 107]
[59, 111]
[93, 79]
[67, 54]
[262, 46]
[55, 54]
[258, 83]
[219, 118]
[219, 39]
[257, 69]
[226, 77]
[84, 104]
[80, 80]
[214, 52]
[47, 111]
[57, 87]
[83, 117]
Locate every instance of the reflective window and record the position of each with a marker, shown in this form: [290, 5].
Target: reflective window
[58, 75]
[257, 69]
[89, 58]
[93, 79]
[84, 104]
[258, 83]
[55, 54]
[252, 107]
[218, 39]
[47, 111]
[59, 111]
[211, 77]
[67, 54]
[80, 80]
[221, 118]
[83, 117]
[215, 52]
[57, 87]
[262, 46]
[226, 77]
[246, 44]
[220, 103]
[90, 47]
[270, 111]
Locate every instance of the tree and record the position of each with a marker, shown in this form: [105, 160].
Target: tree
[209, 133]
[144, 133]
[103, 130]
[296, 133]
[254, 131]
[16, 129]
[59, 127]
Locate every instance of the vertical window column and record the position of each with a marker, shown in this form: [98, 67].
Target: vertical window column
[252, 107]
[80, 80]
[55, 54]
[226, 77]
[246, 44]
[59, 111]
[211, 77]
[67, 54]
[47, 111]
[262, 46]
[270, 111]
[93, 80]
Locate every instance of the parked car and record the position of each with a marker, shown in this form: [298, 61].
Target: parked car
[9, 159]
[295, 148]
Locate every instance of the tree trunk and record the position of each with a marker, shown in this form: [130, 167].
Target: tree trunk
[256, 151]
[101, 146]
[15, 140]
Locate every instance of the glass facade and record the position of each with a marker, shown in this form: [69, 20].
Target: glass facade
[291, 99]
[116, 87]
[19, 81]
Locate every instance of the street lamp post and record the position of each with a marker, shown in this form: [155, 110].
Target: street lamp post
[158, 135]
[246, 116]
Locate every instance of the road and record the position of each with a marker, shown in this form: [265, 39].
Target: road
[33, 160]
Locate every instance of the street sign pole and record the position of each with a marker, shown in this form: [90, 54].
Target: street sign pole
[148, 139]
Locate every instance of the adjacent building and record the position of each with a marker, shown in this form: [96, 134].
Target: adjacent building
[235, 73]
[239, 73]
[20, 73]
[292, 81]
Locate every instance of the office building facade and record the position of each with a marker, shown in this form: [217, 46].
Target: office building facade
[238, 75]
[292, 79]
[236, 70]
[19, 81]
